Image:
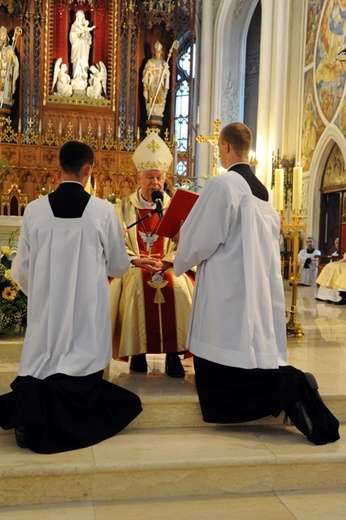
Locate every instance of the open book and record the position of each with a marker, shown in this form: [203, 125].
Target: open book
[180, 206]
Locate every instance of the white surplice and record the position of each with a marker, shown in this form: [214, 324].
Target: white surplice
[66, 262]
[309, 274]
[238, 310]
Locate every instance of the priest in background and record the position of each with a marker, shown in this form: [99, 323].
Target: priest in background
[237, 330]
[308, 261]
[70, 243]
[150, 305]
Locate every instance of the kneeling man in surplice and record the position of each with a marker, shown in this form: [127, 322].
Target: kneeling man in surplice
[70, 243]
[237, 331]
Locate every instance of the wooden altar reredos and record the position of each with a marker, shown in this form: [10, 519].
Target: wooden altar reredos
[40, 120]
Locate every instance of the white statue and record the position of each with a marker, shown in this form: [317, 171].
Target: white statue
[97, 81]
[156, 82]
[9, 67]
[61, 79]
[80, 39]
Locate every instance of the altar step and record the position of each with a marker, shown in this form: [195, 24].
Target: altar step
[169, 454]
[169, 464]
[173, 464]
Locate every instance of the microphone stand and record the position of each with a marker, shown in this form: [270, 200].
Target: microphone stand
[143, 218]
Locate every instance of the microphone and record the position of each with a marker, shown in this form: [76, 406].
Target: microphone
[157, 197]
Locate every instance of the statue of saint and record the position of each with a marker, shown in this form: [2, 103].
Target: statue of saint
[29, 187]
[9, 70]
[80, 39]
[156, 83]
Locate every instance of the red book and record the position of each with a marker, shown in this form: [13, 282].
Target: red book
[180, 206]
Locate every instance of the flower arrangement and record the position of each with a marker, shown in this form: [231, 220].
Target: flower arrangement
[13, 302]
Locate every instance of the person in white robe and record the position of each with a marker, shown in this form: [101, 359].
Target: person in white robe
[332, 282]
[237, 329]
[308, 262]
[70, 243]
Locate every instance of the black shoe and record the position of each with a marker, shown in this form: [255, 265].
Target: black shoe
[332, 422]
[139, 364]
[299, 417]
[19, 432]
[174, 368]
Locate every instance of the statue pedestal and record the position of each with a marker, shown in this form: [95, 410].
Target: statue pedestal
[5, 109]
[154, 122]
[79, 87]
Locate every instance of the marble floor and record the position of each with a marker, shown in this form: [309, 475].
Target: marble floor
[321, 350]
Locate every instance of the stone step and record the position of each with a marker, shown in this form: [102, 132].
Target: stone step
[145, 464]
[173, 403]
[286, 505]
[167, 402]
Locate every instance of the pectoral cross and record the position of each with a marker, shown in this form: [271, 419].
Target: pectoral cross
[148, 239]
[213, 140]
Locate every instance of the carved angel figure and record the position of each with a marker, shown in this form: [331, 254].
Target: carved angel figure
[98, 81]
[61, 79]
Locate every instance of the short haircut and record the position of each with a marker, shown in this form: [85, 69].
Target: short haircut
[73, 155]
[238, 136]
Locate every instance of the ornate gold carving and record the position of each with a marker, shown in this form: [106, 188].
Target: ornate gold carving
[126, 163]
[50, 157]
[29, 155]
[78, 100]
[49, 138]
[7, 135]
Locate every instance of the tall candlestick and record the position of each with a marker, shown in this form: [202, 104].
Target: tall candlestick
[279, 189]
[297, 189]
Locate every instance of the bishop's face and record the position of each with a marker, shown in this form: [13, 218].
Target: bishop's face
[150, 181]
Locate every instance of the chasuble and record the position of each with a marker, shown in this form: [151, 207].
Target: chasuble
[149, 314]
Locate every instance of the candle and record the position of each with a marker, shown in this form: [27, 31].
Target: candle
[279, 189]
[297, 189]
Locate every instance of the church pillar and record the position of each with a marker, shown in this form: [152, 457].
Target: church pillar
[272, 85]
[203, 151]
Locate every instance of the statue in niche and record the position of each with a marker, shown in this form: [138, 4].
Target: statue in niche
[9, 67]
[48, 185]
[107, 189]
[7, 182]
[126, 188]
[81, 40]
[97, 81]
[61, 80]
[29, 187]
[155, 83]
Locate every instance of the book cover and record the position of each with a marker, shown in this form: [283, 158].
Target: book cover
[178, 209]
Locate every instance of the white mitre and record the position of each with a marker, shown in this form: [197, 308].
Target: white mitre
[152, 154]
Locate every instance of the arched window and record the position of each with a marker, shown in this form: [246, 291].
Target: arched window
[185, 75]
